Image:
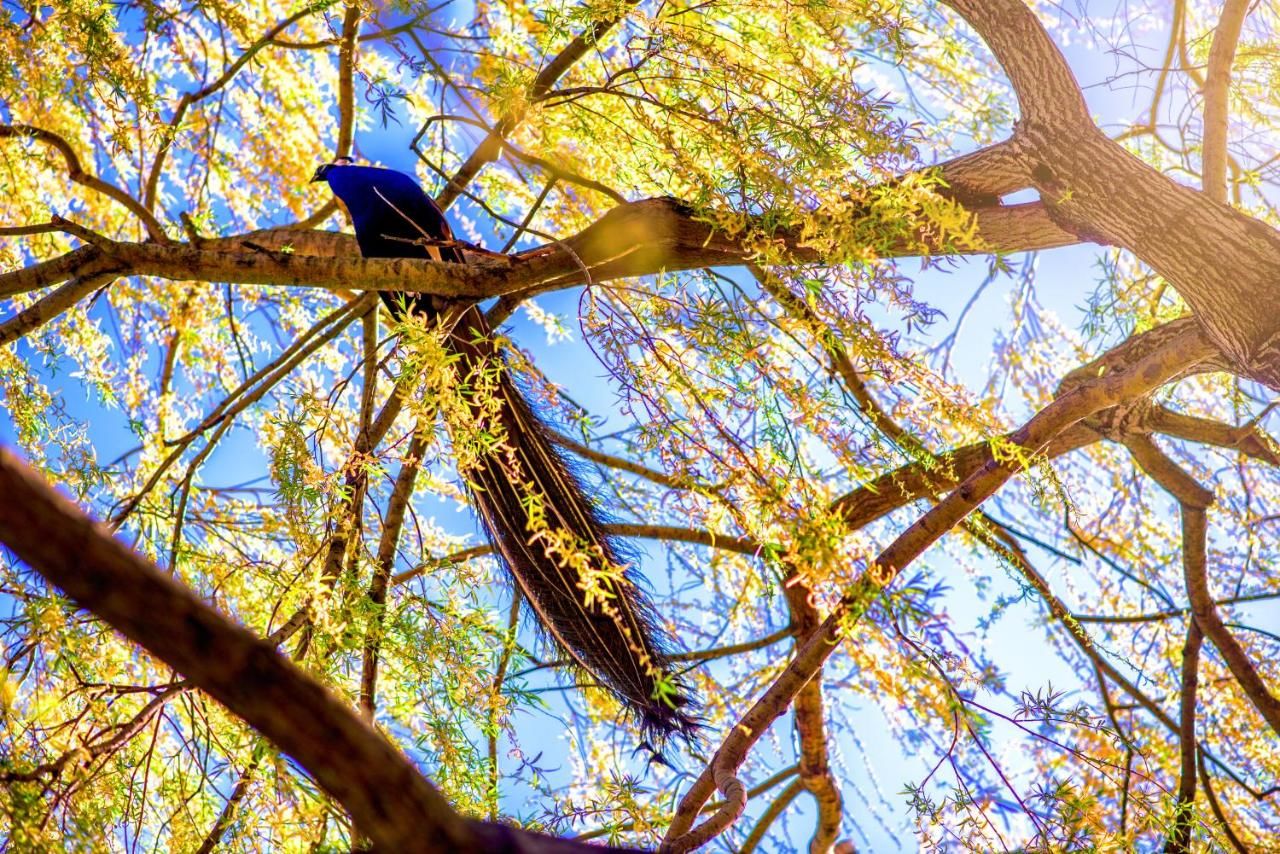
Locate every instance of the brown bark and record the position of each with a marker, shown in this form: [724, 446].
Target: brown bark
[636, 239]
[389, 800]
[1224, 263]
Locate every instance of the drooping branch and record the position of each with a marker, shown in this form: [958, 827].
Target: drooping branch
[77, 173]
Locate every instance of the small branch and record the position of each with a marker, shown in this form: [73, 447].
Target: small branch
[736, 648]
[1216, 808]
[171, 131]
[1179, 839]
[770, 815]
[1217, 90]
[77, 174]
[348, 513]
[491, 145]
[1168, 615]
[51, 306]
[495, 691]
[619, 463]
[346, 74]
[1194, 499]
[393, 521]
[228, 814]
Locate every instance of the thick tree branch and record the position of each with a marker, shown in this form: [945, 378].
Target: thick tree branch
[636, 239]
[1223, 263]
[388, 799]
[1046, 89]
[51, 305]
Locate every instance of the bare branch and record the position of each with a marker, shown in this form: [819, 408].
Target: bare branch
[179, 113]
[50, 306]
[491, 145]
[1217, 89]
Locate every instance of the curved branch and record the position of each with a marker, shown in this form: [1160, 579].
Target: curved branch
[389, 800]
[1046, 89]
[77, 173]
[491, 145]
[1194, 499]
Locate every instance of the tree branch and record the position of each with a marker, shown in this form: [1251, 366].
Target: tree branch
[51, 306]
[346, 83]
[1217, 89]
[387, 797]
[1168, 358]
[1078, 172]
[188, 98]
[77, 173]
[489, 148]
[1194, 499]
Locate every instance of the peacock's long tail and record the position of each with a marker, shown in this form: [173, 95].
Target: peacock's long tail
[551, 540]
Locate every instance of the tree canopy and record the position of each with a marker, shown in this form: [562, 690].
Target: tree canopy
[932, 587]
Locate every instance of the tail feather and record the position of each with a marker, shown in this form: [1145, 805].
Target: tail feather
[550, 538]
